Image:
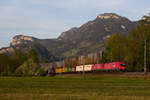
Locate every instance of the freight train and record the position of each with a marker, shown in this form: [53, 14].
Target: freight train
[113, 66]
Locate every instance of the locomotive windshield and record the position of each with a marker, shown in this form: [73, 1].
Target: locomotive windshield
[122, 64]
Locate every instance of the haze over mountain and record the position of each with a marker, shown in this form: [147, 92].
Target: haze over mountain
[88, 38]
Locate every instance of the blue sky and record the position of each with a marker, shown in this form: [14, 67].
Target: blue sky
[49, 18]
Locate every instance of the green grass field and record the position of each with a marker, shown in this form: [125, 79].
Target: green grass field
[74, 88]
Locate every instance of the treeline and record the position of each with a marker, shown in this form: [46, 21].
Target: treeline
[130, 48]
[21, 64]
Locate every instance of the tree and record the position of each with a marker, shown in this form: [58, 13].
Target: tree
[33, 55]
[28, 68]
[4, 64]
[146, 23]
[137, 46]
[134, 41]
[115, 50]
[20, 56]
[7, 65]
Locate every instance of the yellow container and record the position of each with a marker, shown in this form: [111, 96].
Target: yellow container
[64, 69]
[58, 70]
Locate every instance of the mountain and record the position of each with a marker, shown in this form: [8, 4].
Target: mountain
[88, 38]
[18, 42]
[25, 43]
[91, 36]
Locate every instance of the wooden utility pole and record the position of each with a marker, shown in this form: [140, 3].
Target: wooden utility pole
[145, 69]
[111, 56]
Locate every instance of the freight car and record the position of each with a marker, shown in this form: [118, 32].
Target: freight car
[85, 68]
[113, 66]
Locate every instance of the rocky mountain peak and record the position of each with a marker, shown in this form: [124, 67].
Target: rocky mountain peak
[108, 16]
[21, 39]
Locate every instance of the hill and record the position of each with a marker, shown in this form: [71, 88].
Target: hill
[77, 41]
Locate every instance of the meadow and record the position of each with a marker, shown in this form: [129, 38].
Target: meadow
[74, 88]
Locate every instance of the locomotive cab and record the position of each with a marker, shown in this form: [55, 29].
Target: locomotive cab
[122, 66]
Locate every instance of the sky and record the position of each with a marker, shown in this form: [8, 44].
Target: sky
[49, 18]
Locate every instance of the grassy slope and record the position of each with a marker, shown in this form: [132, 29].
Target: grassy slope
[75, 88]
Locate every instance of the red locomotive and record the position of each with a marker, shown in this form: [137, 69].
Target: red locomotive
[114, 66]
